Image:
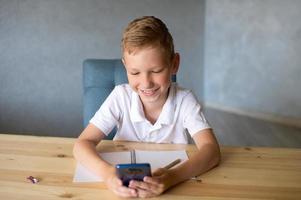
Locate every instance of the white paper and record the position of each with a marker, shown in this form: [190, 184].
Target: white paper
[156, 159]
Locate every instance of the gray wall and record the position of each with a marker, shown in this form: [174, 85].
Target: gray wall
[252, 57]
[43, 44]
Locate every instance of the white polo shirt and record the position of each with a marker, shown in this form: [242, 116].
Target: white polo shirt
[124, 109]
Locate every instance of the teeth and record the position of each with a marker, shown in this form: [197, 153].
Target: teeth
[148, 91]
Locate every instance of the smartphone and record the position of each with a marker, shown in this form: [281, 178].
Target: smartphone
[128, 172]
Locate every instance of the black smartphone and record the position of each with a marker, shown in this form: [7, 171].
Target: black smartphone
[128, 172]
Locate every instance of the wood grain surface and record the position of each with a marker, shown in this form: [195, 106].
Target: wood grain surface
[244, 172]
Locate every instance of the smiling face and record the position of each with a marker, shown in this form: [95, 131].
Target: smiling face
[149, 74]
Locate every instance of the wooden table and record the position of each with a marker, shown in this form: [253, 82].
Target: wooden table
[244, 173]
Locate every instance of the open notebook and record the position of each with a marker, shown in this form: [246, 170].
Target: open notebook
[156, 159]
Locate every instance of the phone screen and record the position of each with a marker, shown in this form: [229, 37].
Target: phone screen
[137, 171]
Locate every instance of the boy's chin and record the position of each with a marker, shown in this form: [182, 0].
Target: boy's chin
[149, 99]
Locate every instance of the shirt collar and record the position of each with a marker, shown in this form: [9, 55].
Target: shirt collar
[166, 115]
[168, 110]
[136, 112]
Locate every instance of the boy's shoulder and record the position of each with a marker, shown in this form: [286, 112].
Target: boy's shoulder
[184, 95]
[181, 92]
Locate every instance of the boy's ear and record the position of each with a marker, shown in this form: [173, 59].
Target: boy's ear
[176, 63]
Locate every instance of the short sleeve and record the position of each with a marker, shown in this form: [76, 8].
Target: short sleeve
[193, 117]
[106, 118]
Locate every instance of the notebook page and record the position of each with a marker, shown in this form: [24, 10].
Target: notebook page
[159, 159]
[156, 159]
[82, 174]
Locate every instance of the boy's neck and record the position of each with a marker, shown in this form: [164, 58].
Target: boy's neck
[152, 110]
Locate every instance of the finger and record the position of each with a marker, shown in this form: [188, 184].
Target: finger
[145, 194]
[118, 182]
[141, 185]
[115, 185]
[152, 188]
[156, 185]
[151, 180]
[126, 192]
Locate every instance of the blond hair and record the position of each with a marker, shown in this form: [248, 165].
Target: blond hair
[147, 31]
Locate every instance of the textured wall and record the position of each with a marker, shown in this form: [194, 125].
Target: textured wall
[252, 57]
[43, 44]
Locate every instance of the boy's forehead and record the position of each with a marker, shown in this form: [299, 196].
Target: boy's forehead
[144, 58]
[154, 51]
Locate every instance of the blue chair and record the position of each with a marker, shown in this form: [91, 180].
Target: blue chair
[99, 78]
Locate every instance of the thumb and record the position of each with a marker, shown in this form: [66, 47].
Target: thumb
[158, 172]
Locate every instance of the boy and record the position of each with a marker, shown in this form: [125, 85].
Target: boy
[149, 109]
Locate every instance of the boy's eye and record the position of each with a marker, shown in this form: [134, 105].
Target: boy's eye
[158, 71]
[134, 73]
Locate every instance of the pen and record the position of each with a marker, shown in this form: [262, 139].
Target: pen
[173, 163]
[133, 157]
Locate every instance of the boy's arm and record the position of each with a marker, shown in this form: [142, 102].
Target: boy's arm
[85, 152]
[207, 156]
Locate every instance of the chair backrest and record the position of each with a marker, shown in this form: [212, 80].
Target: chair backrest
[100, 76]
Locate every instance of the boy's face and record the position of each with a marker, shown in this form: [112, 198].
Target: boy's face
[149, 73]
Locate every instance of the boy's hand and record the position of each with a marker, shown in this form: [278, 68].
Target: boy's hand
[152, 186]
[115, 185]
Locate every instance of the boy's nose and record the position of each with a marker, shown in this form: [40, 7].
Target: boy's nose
[146, 81]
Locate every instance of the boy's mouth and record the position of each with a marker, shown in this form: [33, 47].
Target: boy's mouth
[149, 92]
